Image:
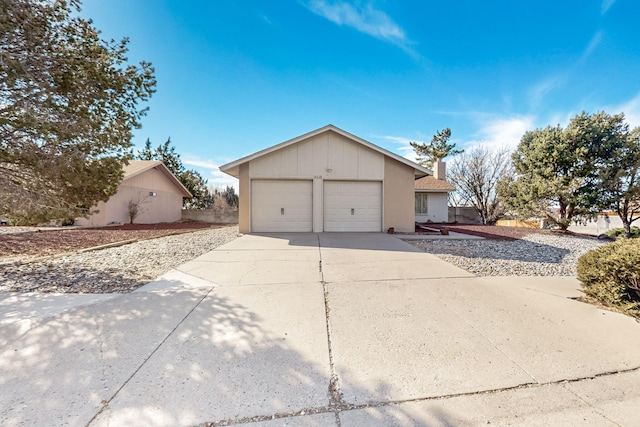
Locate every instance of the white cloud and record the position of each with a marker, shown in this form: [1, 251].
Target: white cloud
[541, 89]
[205, 164]
[266, 19]
[606, 4]
[499, 132]
[593, 44]
[562, 118]
[631, 110]
[211, 172]
[493, 131]
[402, 146]
[364, 18]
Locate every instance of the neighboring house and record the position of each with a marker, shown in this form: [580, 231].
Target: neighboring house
[325, 180]
[431, 194]
[150, 184]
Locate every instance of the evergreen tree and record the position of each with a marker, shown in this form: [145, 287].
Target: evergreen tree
[231, 197]
[68, 104]
[437, 149]
[191, 179]
[564, 175]
[197, 186]
[618, 181]
[147, 153]
[168, 155]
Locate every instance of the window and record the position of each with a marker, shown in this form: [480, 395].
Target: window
[422, 203]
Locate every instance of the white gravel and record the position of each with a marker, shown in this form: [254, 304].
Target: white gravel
[125, 268]
[119, 269]
[533, 255]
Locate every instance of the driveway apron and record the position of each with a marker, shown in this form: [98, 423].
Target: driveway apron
[310, 329]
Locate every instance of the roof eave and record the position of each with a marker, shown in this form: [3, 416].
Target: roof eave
[233, 168]
[152, 164]
[166, 172]
[422, 190]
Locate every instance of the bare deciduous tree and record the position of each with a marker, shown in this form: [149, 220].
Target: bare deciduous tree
[136, 206]
[476, 174]
[224, 201]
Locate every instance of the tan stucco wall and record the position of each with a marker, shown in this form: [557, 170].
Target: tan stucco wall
[244, 216]
[328, 155]
[97, 218]
[152, 180]
[398, 195]
[166, 206]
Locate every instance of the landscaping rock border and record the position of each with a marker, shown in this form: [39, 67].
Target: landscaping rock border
[114, 269]
[532, 255]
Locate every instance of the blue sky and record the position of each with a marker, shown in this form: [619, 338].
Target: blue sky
[237, 76]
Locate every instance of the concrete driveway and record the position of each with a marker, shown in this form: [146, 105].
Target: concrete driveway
[319, 329]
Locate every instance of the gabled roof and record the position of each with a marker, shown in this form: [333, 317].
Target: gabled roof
[432, 184]
[137, 167]
[233, 168]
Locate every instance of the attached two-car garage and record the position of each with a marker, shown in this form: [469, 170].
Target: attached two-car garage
[325, 180]
[288, 205]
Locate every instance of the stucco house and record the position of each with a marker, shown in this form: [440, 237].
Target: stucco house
[326, 180]
[150, 183]
[431, 194]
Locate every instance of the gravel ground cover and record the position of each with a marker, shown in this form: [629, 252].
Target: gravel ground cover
[119, 269]
[127, 267]
[23, 243]
[493, 232]
[535, 254]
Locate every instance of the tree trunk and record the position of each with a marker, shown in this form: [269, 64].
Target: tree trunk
[564, 213]
[627, 226]
[623, 213]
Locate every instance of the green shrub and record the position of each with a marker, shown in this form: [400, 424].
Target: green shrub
[619, 232]
[611, 273]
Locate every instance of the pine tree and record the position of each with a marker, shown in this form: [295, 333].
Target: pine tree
[437, 149]
[68, 104]
[191, 179]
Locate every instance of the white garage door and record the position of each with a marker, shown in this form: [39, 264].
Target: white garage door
[352, 206]
[281, 205]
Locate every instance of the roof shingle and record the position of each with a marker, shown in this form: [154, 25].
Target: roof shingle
[429, 183]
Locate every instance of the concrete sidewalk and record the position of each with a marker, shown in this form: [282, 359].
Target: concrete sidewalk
[328, 329]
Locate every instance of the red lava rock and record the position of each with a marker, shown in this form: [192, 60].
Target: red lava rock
[58, 241]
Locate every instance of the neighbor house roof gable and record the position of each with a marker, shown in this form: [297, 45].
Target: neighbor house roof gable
[138, 167]
[233, 168]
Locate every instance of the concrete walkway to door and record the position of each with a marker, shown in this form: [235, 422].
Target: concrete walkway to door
[324, 329]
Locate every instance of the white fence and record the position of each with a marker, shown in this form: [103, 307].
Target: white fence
[597, 226]
[464, 215]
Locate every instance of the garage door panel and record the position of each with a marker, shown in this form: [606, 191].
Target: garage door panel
[278, 205]
[352, 206]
